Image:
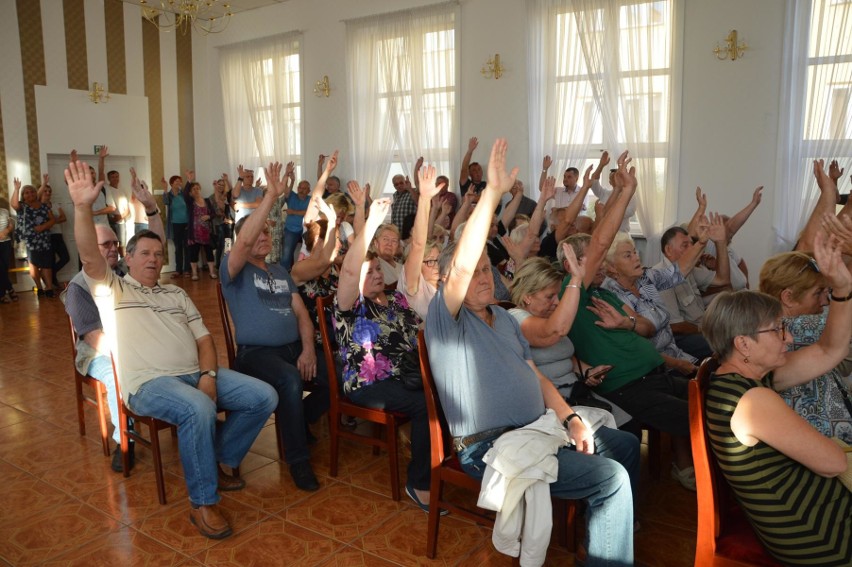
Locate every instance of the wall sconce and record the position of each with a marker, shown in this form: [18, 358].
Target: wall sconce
[98, 94]
[493, 68]
[732, 50]
[321, 88]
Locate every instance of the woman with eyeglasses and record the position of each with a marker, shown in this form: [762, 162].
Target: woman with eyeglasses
[781, 469]
[794, 279]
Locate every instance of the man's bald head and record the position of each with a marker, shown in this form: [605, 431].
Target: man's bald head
[107, 244]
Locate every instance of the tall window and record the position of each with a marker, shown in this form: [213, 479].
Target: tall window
[402, 92]
[816, 109]
[262, 94]
[601, 76]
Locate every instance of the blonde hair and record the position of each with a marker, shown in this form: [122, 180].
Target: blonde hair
[341, 204]
[620, 238]
[534, 275]
[789, 270]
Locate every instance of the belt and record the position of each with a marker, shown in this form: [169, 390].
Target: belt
[462, 443]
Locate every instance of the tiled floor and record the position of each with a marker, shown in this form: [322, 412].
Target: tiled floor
[60, 504]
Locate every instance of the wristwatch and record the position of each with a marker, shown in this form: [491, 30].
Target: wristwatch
[838, 298]
[567, 421]
[211, 373]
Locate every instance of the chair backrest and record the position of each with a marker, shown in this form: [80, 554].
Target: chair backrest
[73, 339]
[329, 345]
[230, 346]
[438, 430]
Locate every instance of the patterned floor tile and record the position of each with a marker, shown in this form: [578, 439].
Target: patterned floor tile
[125, 547]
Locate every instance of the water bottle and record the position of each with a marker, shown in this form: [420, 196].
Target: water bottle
[227, 245]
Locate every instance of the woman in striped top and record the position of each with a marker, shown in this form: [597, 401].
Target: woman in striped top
[781, 469]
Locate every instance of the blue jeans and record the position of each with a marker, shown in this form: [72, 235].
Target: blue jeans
[604, 480]
[203, 442]
[101, 370]
[277, 367]
[288, 248]
[392, 395]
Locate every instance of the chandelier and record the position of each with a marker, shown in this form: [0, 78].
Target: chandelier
[205, 16]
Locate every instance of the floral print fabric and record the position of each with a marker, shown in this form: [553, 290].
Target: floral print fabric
[28, 219]
[373, 338]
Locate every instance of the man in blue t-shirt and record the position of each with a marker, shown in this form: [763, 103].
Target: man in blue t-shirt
[274, 333]
[297, 203]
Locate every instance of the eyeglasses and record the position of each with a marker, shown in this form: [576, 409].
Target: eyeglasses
[431, 263]
[109, 244]
[781, 330]
[811, 264]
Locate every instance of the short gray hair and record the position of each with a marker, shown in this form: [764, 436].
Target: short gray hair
[131, 244]
[735, 314]
[620, 238]
[579, 242]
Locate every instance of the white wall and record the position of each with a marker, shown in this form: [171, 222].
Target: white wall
[729, 111]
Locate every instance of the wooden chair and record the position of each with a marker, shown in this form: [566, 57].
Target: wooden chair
[340, 405]
[446, 469]
[99, 400]
[230, 347]
[152, 442]
[725, 538]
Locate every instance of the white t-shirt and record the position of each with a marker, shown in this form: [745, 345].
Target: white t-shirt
[121, 199]
[5, 219]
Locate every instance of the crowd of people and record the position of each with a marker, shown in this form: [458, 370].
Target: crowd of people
[540, 318]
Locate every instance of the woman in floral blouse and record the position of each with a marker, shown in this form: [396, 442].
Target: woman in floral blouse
[376, 330]
[34, 221]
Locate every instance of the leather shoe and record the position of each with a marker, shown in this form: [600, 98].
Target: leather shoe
[303, 476]
[118, 463]
[228, 483]
[210, 522]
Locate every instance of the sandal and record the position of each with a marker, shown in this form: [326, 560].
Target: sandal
[213, 276]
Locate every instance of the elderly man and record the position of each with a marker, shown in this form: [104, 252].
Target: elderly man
[275, 335]
[93, 356]
[488, 384]
[166, 361]
[404, 200]
[470, 176]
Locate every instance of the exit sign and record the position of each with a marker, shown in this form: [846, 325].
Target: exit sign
[97, 150]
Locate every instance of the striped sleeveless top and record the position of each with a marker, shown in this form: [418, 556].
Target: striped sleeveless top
[801, 517]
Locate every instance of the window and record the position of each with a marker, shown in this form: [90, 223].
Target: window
[262, 92]
[402, 76]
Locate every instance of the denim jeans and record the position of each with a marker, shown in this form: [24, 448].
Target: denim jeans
[202, 441]
[604, 480]
[101, 370]
[277, 367]
[392, 395]
[289, 246]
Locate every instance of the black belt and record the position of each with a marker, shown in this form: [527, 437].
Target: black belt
[462, 443]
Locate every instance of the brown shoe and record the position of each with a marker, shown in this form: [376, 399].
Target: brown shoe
[228, 483]
[210, 522]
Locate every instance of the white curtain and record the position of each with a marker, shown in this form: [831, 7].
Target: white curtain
[401, 74]
[618, 60]
[261, 91]
[815, 116]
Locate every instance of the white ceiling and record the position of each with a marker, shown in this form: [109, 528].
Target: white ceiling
[237, 6]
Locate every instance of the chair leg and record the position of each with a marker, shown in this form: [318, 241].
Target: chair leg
[125, 443]
[81, 414]
[435, 495]
[100, 393]
[378, 433]
[393, 437]
[158, 463]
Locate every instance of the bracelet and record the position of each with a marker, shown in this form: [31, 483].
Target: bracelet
[838, 299]
[633, 319]
[567, 421]
[239, 178]
[573, 285]
[155, 212]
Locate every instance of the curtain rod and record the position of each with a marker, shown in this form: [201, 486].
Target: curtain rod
[403, 11]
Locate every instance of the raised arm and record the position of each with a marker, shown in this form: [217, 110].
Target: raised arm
[511, 208]
[312, 213]
[238, 187]
[545, 167]
[317, 263]
[45, 181]
[359, 197]
[825, 204]
[141, 193]
[467, 206]
[426, 181]
[14, 200]
[572, 211]
[465, 165]
[349, 285]
[472, 242]
[597, 189]
[736, 222]
[102, 155]
[83, 193]
[698, 215]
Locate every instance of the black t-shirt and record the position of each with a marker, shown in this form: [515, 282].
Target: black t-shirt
[477, 186]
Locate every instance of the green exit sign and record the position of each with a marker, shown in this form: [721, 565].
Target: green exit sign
[97, 150]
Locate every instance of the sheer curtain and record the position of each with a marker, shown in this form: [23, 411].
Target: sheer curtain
[815, 111]
[261, 91]
[616, 67]
[401, 73]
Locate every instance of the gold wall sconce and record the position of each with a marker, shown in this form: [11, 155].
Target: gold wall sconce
[98, 94]
[733, 49]
[321, 87]
[493, 68]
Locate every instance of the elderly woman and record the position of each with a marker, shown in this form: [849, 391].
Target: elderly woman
[386, 248]
[376, 330]
[200, 231]
[34, 221]
[640, 287]
[781, 469]
[793, 278]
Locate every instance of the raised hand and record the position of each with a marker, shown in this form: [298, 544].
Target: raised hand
[626, 177]
[587, 178]
[701, 197]
[829, 258]
[548, 191]
[104, 152]
[834, 170]
[74, 155]
[498, 177]
[134, 181]
[546, 163]
[241, 171]
[840, 226]
[824, 181]
[378, 211]
[407, 183]
[45, 179]
[290, 170]
[757, 196]
[418, 164]
[190, 176]
[716, 230]
[82, 190]
[163, 183]
[577, 271]
[17, 183]
[359, 195]
[140, 191]
[225, 178]
[601, 165]
[703, 229]
[332, 162]
[327, 210]
[426, 177]
[608, 316]
[273, 177]
[446, 207]
[518, 251]
[472, 144]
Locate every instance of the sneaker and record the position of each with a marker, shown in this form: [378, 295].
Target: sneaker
[686, 476]
[303, 476]
[409, 490]
[118, 463]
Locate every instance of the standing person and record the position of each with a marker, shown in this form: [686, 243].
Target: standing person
[200, 231]
[34, 222]
[297, 205]
[121, 198]
[7, 254]
[246, 196]
[177, 222]
[177, 380]
[470, 175]
[223, 215]
[60, 250]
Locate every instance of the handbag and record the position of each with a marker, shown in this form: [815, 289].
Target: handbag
[409, 370]
[581, 395]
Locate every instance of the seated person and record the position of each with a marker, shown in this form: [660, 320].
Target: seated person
[167, 362]
[274, 332]
[93, 355]
[376, 330]
[781, 470]
[794, 280]
[386, 248]
[488, 383]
